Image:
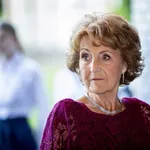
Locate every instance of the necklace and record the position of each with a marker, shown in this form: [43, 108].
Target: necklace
[107, 112]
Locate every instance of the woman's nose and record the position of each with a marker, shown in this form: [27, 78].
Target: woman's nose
[95, 66]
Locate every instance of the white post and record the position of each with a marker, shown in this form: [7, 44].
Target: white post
[140, 17]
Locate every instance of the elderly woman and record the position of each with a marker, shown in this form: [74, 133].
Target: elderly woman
[105, 53]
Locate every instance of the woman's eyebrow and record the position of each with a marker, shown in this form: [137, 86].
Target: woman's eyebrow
[83, 48]
[106, 51]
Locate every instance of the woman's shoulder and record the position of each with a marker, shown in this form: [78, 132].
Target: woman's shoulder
[138, 105]
[30, 64]
[136, 101]
[67, 103]
[65, 108]
[64, 102]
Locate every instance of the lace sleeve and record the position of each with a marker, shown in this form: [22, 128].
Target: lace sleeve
[145, 109]
[55, 136]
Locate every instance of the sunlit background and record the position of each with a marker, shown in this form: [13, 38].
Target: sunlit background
[44, 28]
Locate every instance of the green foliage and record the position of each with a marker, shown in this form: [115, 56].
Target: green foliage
[1, 8]
[124, 9]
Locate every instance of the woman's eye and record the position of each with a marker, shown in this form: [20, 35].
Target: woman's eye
[106, 57]
[85, 57]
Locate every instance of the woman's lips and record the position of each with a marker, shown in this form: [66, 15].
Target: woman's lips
[95, 79]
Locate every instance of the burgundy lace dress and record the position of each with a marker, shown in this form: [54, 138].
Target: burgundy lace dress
[73, 126]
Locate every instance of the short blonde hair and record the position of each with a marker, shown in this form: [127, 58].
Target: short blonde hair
[113, 31]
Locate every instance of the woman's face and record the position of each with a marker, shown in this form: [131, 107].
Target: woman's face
[100, 67]
[6, 42]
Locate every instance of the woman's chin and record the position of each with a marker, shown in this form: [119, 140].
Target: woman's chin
[97, 91]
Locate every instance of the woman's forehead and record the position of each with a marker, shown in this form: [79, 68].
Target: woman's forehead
[87, 42]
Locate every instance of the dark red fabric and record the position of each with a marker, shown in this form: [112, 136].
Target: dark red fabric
[73, 126]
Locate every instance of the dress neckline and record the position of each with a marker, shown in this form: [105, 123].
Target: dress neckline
[100, 114]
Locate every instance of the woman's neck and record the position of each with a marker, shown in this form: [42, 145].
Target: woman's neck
[107, 101]
[10, 54]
